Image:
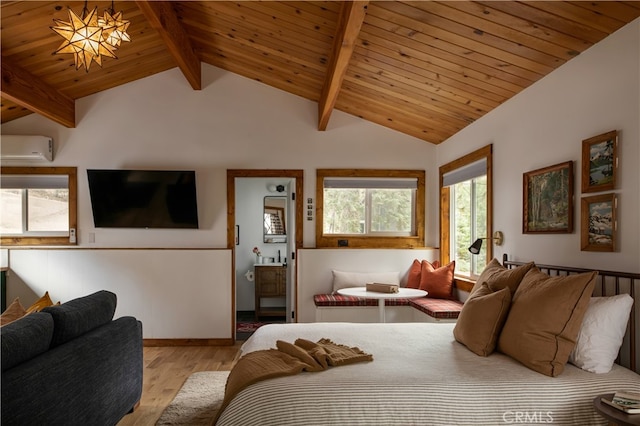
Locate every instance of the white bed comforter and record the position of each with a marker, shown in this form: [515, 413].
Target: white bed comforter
[420, 376]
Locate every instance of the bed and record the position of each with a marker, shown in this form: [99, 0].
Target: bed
[420, 374]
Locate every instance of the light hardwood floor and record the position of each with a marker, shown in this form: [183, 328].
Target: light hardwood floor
[165, 370]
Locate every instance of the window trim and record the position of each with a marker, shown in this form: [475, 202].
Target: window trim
[72, 174]
[485, 153]
[378, 241]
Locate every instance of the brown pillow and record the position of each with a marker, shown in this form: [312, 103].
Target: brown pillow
[545, 319]
[482, 318]
[438, 283]
[41, 303]
[413, 280]
[498, 277]
[13, 312]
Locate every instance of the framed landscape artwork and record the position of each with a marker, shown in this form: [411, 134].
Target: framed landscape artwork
[600, 162]
[548, 200]
[598, 218]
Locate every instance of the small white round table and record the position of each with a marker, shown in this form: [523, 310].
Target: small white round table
[403, 293]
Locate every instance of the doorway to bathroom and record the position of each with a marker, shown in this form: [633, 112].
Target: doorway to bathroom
[264, 231]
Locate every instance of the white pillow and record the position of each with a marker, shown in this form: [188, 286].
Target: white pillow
[360, 279]
[602, 332]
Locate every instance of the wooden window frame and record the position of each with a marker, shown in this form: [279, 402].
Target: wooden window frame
[72, 173]
[485, 153]
[415, 241]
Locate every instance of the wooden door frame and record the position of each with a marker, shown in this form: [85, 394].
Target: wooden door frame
[232, 174]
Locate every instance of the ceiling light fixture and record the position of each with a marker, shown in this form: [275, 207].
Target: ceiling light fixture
[89, 37]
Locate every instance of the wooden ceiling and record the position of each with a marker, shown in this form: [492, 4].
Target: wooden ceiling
[425, 68]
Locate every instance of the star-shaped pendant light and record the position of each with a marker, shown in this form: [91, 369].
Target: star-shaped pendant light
[119, 25]
[89, 38]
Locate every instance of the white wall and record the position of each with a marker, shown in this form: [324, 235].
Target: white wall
[545, 125]
[182, 293]
[232, 123]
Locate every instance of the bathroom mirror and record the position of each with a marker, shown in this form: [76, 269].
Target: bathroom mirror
[274, 220]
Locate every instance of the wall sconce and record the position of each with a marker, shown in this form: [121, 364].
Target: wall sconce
[275, 188]
[477, 244]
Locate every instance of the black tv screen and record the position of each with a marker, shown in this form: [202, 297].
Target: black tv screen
[143, 198]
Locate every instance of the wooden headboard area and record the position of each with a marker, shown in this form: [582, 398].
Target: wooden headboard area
[609, 283]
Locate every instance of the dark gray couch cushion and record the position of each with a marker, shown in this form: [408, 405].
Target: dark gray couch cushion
[81, 315]
[25, 338]
[93, 380]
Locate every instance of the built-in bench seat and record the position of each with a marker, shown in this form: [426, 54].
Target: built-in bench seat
[436, 309]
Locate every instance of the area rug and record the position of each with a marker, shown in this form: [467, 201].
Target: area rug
[197, 402]
[248, 327]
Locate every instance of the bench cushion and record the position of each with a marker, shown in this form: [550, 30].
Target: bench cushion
[340, 300]
[437, 308]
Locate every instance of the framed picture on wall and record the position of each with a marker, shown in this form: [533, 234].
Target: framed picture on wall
[598, 222]
[548, 200]
[600, 162]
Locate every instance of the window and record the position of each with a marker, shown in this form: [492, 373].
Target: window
[370, 208]
[465, 188]
[37, 205]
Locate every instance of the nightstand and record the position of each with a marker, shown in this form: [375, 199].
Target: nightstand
[614, 416]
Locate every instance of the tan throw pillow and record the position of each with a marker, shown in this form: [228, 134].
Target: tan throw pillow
[545, 318]
[13, 312]
[482, 318]
[40, 304]
[498, 277]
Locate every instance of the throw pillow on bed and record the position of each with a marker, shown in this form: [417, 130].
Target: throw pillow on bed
[482, 318]
[602, 333]
[437, 282]
[498, 277]
[415, 271]
[545, 318]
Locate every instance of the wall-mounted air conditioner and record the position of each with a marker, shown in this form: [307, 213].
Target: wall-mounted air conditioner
[26, 148]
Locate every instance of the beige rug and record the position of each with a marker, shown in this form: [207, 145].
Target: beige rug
[197, 402]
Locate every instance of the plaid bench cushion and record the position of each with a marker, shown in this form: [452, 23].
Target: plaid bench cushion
[438, 308]
[340, 300]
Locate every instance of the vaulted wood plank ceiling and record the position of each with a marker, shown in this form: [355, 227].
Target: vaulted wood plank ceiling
[425, 68]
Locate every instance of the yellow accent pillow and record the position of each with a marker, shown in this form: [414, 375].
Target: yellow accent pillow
[545, 318]
[40, 304]
[13, 312]
[481, 319]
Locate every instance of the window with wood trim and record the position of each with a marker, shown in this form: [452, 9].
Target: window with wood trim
[370, 208]
[38, 206]
[466, 211]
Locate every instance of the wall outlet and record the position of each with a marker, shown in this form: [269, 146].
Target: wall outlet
[343, 243]
[72, 235]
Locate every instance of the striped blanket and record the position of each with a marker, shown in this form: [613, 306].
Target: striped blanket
[421, 375]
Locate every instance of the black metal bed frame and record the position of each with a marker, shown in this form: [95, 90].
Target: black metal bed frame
[609, 283]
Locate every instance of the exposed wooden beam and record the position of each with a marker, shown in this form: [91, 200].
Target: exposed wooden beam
[163, 19]
[350, 21]
[28, 91]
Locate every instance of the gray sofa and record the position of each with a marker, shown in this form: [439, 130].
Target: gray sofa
[71, 364]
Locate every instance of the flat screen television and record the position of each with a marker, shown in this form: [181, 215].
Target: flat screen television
[143, 198]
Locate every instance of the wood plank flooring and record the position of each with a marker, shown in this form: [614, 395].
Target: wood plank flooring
[165, 370]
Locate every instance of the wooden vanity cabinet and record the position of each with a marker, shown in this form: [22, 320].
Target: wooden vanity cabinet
[271, 282]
